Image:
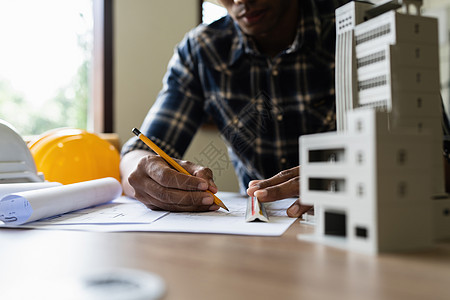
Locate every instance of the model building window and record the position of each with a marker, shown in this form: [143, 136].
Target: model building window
[335, 224]
[361, 232]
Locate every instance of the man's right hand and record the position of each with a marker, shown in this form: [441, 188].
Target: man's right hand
[149, 178]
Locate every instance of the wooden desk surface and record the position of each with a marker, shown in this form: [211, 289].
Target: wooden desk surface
[206, 266]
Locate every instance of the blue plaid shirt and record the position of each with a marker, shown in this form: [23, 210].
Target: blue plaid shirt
[260, 105]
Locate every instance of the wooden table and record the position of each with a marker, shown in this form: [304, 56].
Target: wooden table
[208, 266]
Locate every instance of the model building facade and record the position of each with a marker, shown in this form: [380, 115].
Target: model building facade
[377, 184]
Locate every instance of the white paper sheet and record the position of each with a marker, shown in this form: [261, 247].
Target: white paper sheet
[122, 210]
[28, 206]
[232, 222]
[140, 218]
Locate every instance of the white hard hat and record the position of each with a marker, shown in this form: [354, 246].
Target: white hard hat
[16, 162]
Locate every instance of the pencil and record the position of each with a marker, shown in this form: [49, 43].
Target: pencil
[170, 161]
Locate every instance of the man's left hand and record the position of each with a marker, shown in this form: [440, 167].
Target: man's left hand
[281, 186]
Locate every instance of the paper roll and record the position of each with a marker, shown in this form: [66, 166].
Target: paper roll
[9, 188]
[24, 207]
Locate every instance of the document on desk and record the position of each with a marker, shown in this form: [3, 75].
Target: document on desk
[120, 211]
[232, 222]
[125, 214]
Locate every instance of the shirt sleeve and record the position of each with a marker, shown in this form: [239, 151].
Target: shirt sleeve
[179, 109]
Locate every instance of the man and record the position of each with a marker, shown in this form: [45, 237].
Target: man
[265, 75]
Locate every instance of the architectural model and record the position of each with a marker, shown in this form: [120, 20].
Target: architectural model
[377, 184]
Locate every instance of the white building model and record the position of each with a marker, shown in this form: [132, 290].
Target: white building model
[377, 184]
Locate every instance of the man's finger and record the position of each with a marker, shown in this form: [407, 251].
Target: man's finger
[297, 209]
[279, 178]
[288, 189]
[207, 174]
[166, 176]
[149, 189]
[179, 201]
[158, 205]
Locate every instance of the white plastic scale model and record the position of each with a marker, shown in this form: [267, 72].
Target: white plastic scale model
[377, 184]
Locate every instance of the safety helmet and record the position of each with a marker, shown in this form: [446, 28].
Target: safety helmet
[69, 155]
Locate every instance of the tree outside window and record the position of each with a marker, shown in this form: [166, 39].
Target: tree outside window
[45, 64]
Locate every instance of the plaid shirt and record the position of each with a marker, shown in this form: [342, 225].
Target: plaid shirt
[260, 105]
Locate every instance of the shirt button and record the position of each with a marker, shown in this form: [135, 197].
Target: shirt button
[274, 72]
[280, 117]
[283, 160]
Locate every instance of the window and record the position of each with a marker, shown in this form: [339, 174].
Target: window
[48, 76]
[361, 232]
[46, 58]
[335, 224]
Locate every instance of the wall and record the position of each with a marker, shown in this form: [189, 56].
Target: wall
[145, 33]
[144, 36]
[440, 9]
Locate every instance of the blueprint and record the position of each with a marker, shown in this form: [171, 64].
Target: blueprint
[126, 214]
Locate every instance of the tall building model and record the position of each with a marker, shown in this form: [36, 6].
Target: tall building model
[377, 184]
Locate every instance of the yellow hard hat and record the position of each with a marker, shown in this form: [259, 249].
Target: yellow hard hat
[69, 155]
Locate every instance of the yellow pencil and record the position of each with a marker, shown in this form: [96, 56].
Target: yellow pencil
[170, 161]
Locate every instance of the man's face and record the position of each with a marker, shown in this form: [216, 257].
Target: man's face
[257, 17]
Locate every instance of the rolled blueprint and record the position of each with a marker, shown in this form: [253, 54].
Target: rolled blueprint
[9, 188]
[28, 206]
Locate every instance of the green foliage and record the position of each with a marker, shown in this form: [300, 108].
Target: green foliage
[68, 108]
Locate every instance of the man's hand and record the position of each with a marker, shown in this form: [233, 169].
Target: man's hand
[160, 187]
[283, 185]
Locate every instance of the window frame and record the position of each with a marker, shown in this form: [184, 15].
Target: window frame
[103, 68]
